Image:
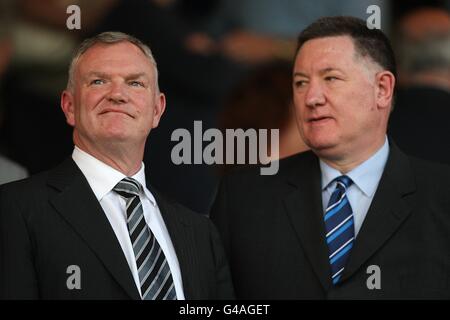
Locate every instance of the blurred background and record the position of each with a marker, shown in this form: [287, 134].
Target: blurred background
[224, 62]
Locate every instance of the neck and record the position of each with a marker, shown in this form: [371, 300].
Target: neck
[353, 159]
[125, 158]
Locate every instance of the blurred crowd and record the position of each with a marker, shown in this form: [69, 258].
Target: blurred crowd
[224, 62]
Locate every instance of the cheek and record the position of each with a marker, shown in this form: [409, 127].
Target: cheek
[299, 105]
[358, 111]
[88, 101]
[147, 107]
[143, 104]
[92, 98]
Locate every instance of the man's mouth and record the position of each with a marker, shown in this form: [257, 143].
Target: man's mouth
[110, 110]
[319, 119]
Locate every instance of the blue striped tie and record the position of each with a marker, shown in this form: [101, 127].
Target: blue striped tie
[154, 272]
[340, 230]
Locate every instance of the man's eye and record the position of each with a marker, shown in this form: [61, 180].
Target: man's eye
[136, 84]
[300, 83]
[97, 81]
[331, 78]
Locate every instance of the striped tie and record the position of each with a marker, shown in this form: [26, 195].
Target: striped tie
[339, 227]
[154, 273]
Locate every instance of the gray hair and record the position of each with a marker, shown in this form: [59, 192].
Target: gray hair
[109, 37]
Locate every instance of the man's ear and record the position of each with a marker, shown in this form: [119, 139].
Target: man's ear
[385, 83]
[67, 106]
[160, 106]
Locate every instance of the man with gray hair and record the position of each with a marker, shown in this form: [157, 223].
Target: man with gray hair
[93, 228]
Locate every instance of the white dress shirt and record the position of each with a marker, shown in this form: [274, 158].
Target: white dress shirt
[365, 177]
[102, 179]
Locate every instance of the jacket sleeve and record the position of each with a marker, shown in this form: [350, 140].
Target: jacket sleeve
[17, 273]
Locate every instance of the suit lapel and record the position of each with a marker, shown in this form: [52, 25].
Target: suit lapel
[183, 242]
[388, 210]
[77, 204]
[304, 207]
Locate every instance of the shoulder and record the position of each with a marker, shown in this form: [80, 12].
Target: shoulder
[35, 191]
[287, 167]
[430, 172]
[402, 166]
[432, 178]
[23, 199]
[57, 177]
[11, 171]
[26, 187]
[426, 183]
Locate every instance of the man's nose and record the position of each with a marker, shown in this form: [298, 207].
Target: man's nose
[118, 93]
[314, 95]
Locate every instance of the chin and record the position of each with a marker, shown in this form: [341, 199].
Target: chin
[323, 147]
[115, 129]
[322, 140]
[116, 135]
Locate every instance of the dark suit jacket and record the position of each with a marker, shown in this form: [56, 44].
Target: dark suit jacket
[274, 234]
[53, 220]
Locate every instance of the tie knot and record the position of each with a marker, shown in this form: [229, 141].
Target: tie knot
[344, 181]
[128, 187]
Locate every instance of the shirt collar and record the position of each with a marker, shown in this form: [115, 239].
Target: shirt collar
[365, 176]
[102, 178]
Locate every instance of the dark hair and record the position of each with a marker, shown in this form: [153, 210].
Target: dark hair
[367, 42]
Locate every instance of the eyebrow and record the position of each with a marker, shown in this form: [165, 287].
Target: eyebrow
[322, 71]
[300, 74]
[136, 75]
[128, 77]
[96, 74]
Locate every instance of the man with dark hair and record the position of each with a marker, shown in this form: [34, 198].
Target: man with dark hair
[367, 42]
[354, 218]
[93, 228]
